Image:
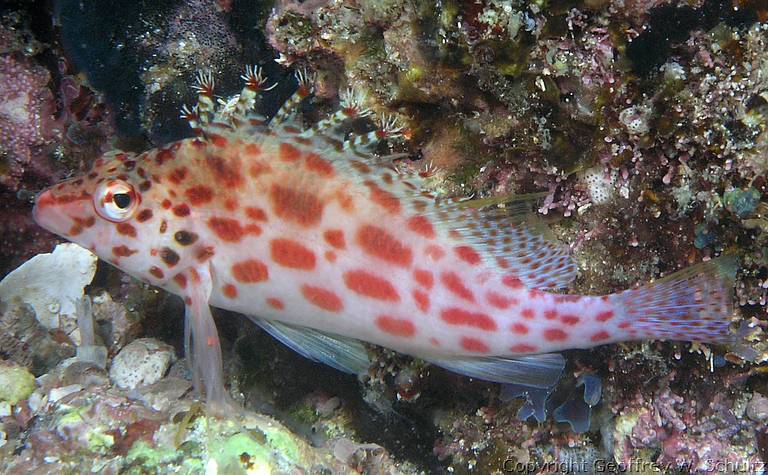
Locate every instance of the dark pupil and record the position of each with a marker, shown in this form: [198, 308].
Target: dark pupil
[122, 200]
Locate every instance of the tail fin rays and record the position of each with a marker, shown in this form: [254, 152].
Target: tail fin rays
[693, 304]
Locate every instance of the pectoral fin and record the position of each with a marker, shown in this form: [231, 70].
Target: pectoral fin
[205, 346]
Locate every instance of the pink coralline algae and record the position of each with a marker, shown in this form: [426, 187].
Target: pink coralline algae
[26, 115]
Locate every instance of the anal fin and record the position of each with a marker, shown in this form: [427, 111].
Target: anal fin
[537, 371]
[344, 354]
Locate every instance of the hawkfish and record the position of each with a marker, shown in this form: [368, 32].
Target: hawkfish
[328, 246]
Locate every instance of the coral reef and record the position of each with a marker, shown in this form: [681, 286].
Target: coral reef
[644, 123]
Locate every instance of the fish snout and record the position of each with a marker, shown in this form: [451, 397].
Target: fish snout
[60, 213]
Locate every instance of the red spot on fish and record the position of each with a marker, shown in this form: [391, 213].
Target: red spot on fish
[550, 314]
[424, 278]
[422, 300]
[199, 194]
[178, 175]
[601, 336]
[335, 237]
[205, 253]
[318, 165]
[252, 150]
[383, 198]
[257, 169]
[457, 316]
[230, 204]
[500, 301]
[330, 256]
[434, 341]
[230, 291]
[164, 155]
[256, 214]
[395, 326]
[126, 229]
[144, 215]
[468, 255]
[345, 201]
[453, 282]
[322, 298]
[75, 230]
[555, 334]
[519, 328]
[252, 229]
[289, 153]
[624, 325]
[250, 271]
[435, 252]
[123, 251]
[301, 207]
[569, 319]
[604, 316]
[512, 282]
[275, 303]
[528, 313]
[166, 204]
[181, 280]
[289, 253]
[367, 284]
[181, 210]
[535, 294]
[522, 348]
[218, 140]
[474, 345]
[157, 272]
[226, 229]
[360, 167]
[421, 225]
[226, 172]
[379, 243]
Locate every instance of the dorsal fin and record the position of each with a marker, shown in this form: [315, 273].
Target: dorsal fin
[510, 238]
[499, 230]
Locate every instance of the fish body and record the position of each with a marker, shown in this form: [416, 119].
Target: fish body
[303, 229]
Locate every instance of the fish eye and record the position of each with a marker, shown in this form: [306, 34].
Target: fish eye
[116, 200]
[122, 200]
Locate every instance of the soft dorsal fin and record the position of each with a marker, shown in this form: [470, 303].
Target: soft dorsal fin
[510, 238]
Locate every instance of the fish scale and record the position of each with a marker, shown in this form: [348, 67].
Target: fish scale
[325, 245]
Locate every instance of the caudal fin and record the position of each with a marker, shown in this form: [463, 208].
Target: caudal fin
[693, 304]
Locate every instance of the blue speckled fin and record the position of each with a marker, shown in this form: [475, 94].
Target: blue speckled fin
[344, 354]
[693, 304]
[538, 371]
[510, 238]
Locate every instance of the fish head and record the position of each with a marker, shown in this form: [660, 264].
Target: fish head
[115, 210]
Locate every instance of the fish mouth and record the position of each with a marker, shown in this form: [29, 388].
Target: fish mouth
[56, 214]
[40, 210]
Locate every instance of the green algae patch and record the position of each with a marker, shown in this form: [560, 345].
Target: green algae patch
[244, 451]
[283, 442]
[143, 458]
[16, 383]
[72, 418]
